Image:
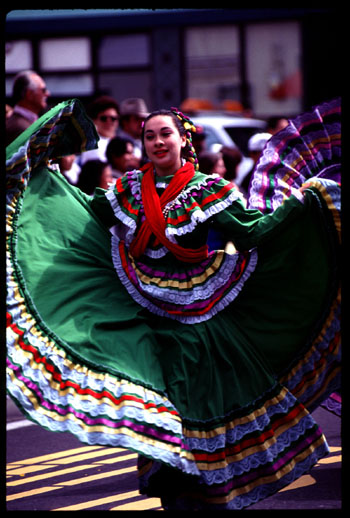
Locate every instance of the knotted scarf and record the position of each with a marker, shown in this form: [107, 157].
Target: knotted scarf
[155, 222]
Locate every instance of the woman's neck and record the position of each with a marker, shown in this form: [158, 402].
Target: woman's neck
[166, 170]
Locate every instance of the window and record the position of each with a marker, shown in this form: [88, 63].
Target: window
[18, 56]
[124, 51]
[212, 63]
[274, 68]
[64, 54]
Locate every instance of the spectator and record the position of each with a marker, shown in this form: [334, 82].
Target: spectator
[232, 157]
[120, 156]
[275, 124]
[29, 99]
[104, 111]
[211, 163]
[133, 112]
[94, 173]
[65, 164]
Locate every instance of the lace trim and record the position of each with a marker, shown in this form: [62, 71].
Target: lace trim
[149, 302]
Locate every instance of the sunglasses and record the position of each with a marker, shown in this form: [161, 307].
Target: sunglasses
[105, 118]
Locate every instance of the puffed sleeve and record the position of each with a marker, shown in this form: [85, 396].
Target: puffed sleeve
[248, 228]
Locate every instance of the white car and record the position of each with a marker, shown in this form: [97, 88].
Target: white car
[228, 130]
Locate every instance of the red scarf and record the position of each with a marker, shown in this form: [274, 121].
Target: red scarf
[155, 221]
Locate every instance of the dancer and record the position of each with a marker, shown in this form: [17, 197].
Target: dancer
[124, 330]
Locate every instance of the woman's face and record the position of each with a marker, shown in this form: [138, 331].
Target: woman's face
[126, 160]
[219, 168]
[107, 123]
[163, 144]
[106, 177]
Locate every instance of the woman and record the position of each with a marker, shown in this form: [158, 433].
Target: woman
[204, 363]
[212, 163]
[120, 156]
[95, 173]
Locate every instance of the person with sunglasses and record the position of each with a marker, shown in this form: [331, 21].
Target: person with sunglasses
[104, 112]
[133, 112]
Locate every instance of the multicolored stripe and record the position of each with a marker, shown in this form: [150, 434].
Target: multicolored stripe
[308, 153]
[187, 294]
[190, 296]
[234, 462]
[309, 146]
[249, 456]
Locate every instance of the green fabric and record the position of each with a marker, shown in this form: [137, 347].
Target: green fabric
[63, 250]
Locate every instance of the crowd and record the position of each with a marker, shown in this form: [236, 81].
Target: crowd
[119, 127]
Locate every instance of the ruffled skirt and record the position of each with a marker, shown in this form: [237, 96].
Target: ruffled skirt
[219, 410]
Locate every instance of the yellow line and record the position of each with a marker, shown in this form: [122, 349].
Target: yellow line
[65, 453]
[68, 460]
[31, 469]
[104, 475]
[117, 459]
[91, 455]
[305, 480]
[330, 460]
[31, 493]
[139, 505]
[74, 469]
[99, 501]
[36, 478]
[333, 449]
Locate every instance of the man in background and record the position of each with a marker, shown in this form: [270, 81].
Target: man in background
[29, 101]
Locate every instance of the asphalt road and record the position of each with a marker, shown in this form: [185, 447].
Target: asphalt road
[54, 471]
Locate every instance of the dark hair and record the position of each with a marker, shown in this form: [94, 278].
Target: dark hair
[117, 146]
[90, 175]
[231, 157]
[187, 152]
[207, 161]
[22, 82]
[100, 104]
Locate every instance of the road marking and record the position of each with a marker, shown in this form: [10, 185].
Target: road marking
[141, 505]
[32, 492]
[90, 455]
[57, 455]
[304, 481]
[103, 475]
[19, 424]
[100, 457]
[51, 474]
[21, 471]
[99, 501]
[330, 460]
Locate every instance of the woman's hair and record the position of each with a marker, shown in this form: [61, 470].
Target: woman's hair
[117, 146]
[185, 127]
[90, 175]
[100, 104]
[208, 160]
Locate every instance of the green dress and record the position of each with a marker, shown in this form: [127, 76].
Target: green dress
[207, 370]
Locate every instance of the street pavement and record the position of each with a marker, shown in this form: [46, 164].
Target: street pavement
[49, 471]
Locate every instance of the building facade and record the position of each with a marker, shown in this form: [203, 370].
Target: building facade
[268, 60]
